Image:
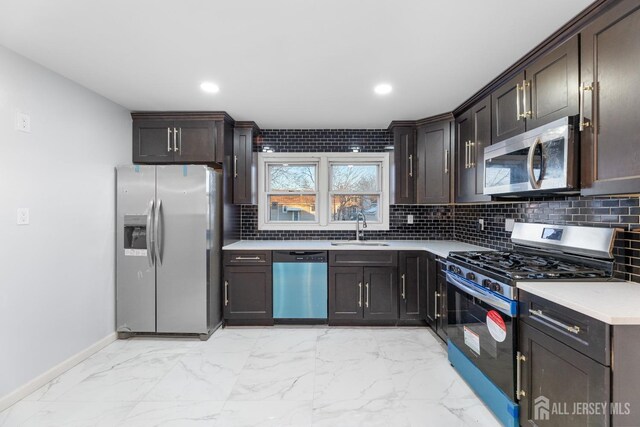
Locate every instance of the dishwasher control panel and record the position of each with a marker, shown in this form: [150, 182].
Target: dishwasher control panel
[300, 256]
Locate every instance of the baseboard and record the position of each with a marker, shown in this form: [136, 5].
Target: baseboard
[33, 385]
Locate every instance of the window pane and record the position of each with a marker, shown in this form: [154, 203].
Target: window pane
[296, 178]
[292, 208]
[346, 207]
[354, 177]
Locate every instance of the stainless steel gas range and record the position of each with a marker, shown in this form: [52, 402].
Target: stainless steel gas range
[482, 301]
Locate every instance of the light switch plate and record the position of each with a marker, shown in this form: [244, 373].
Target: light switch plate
[23, 216]
[409, 219]
[508, 224]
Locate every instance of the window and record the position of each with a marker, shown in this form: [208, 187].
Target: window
[323, 190]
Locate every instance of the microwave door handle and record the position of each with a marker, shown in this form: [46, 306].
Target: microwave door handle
[492, 300]
[535, 183]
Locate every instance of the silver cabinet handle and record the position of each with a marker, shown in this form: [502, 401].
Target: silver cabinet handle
[527, 108]
[535, 183]
[435, 305]
[360, 294]
[519, 359]
[175, 137]
[169, 140]
[466, 154]
[446, 161]
[366, 301]
[235, 166]
[524, 99]
[149, 234]
[404, 287]
[248, 258]
[518, 114]
[410, 164]
[180, 140]
[226, 293]
[584, 123]
[157, 233]
[472, 156]
[541, 315]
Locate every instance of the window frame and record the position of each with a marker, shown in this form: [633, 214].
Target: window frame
[323, 195]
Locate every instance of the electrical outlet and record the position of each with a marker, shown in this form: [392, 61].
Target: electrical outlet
[509, 224]
[481, 224]
[409, 219]
[23, 122]
[23, 216]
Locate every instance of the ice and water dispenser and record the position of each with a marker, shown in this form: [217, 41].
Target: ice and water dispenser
[135, 235]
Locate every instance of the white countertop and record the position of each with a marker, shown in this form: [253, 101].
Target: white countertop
[615, 303]
[437, 247]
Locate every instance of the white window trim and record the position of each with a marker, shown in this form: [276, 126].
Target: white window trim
[323, 198]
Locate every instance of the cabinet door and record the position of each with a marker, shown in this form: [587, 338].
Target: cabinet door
[346, 293]
[442, 313]
[610, 58]
[465, 182]
[196, 141]
[507, 104]
[152, 141]
[481, 114]
[431, 291]
[413, 276]
[381, 299]
[243, 166]
[553, 81]
[247, 293]
[433, 164]
[404, 142]
[555, 374]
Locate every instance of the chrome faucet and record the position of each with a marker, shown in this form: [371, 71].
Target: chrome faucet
[360, 216]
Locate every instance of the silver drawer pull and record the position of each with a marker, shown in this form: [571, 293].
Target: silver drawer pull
[248, 258]
[540, 314]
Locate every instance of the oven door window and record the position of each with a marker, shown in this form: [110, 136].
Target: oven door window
[485, 335]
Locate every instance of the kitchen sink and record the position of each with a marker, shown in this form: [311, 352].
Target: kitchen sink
[358, 243]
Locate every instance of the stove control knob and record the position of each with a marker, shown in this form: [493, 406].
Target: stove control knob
[471, 276]
[496, 287]
[486, 283]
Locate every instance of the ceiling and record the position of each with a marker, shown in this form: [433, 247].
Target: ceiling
[283, 63]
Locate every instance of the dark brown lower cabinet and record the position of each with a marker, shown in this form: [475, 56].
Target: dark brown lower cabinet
[247, 293]
[413, 276]
[441, 304]
[367, 293]
[558, 382]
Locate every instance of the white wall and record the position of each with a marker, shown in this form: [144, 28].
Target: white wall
[57, 281]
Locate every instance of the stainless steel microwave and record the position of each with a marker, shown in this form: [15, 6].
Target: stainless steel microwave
[544, 159]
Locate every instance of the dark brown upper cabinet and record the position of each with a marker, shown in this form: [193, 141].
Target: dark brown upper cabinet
[610, 87]
[404, 138]
[473, 134]
[179, 137]
[244, 163]
[545, 91]
[433, 163]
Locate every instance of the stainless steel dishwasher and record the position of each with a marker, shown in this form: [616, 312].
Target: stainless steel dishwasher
[300, 285]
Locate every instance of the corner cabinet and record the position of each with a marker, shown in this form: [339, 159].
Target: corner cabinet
[433, 163]
[247, 288]
[244, 163]
[183, 138]
[545, 91]
[473, 134]
[610, 86]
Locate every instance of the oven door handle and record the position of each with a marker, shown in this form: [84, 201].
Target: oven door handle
[505, 307]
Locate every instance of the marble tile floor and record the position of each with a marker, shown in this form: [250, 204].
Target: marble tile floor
[278, 376]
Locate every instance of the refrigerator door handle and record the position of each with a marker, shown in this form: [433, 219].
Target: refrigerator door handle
[149, 234]
[157, 232]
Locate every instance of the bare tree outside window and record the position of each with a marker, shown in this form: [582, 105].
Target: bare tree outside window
[352, 186]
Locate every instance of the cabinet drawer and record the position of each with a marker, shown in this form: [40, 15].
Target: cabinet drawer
[373, 257]
[247, 257]
[585, 334]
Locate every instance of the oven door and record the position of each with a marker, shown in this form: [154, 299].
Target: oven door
[482, 326]
[541, 159]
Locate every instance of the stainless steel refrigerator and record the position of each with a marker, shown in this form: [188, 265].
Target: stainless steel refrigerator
[168, 250]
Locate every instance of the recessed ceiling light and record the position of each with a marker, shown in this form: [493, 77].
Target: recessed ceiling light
[210, 87]
[383, 89]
